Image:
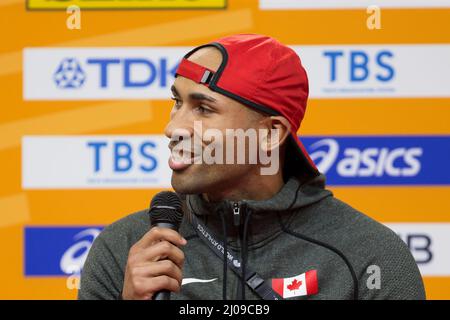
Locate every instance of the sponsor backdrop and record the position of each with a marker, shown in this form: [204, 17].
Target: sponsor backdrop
[83, 113]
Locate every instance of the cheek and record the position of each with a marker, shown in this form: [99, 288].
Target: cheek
[231, 131]
[231, 119]
[241, 120]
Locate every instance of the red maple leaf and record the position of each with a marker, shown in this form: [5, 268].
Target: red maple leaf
[294, 285]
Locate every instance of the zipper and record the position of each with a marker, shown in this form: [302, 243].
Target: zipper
[236, 214]
[239, 213]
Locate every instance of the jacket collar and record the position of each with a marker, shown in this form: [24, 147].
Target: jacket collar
[263, 223]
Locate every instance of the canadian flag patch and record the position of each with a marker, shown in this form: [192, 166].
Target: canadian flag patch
[304, 284]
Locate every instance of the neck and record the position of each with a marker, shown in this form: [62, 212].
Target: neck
[255, 187]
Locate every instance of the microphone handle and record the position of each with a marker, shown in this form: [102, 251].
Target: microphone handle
[163, 294]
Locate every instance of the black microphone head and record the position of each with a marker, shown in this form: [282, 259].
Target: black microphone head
[166, 207]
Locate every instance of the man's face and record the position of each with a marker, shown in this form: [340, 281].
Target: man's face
[196, 103]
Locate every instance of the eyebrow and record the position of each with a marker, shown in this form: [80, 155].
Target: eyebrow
[201, 96]
[194, 95]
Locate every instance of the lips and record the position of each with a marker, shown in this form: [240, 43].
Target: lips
[183, 154]
[178, 165]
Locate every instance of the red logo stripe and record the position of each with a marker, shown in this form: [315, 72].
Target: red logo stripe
[311, 282]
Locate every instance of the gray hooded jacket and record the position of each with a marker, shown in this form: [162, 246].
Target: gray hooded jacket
[302, 228]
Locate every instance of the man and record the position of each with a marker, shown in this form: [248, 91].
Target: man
[282, 233]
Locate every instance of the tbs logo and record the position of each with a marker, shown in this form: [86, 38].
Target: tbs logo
[360, 65]
[365, 161]
[126, 156]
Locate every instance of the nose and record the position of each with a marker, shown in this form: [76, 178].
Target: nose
[179, 125]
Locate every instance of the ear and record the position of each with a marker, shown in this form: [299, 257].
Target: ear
[279, 129]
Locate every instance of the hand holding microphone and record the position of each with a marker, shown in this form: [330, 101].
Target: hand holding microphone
[154, 266]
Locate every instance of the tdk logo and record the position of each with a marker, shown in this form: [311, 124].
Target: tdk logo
[125, 156]
[358, 65]
[381, 160]
[133, 72]
[100, 73]
[57, 251]
[69, 74]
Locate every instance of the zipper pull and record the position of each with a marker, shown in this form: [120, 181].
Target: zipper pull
[236, 214]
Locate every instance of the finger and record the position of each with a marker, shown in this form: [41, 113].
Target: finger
[153, 285]
[161, 250]
[159, 268]
[157, 234]
[146, 288]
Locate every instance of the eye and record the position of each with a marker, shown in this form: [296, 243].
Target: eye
[201, 109]
[177, 104]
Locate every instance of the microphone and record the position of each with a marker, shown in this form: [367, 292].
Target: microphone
[165, 212]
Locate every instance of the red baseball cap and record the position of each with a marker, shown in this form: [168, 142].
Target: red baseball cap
[263, 74]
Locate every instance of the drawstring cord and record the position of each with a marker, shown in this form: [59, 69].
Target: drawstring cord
[244, 253]
[225, 256]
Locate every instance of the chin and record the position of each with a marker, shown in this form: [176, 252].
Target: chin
[195, 180]
[186, 182]
[186, 188]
